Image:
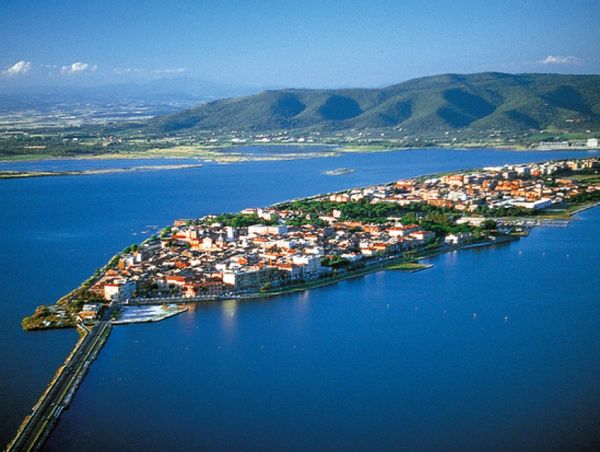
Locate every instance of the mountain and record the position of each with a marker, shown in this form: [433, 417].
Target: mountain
[428, 106]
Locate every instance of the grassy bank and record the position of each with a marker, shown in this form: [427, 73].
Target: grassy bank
[409, 266]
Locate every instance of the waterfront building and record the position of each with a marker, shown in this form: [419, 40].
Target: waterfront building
[118, 290]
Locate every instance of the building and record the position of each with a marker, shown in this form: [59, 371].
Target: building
[119, 290]
[457, 239]
[209, 288]
[247, 278]
[176, 280]
[290, 271]
[310, 265]
[536, 205]
[423, 235]
[261, 229]
[89, 312]
[550, 145]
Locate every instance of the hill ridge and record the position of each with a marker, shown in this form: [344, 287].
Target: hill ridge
[428, 106]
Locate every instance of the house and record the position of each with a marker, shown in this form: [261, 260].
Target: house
[402, 231]
[352, 257]
[339, 197]
[208, 288]
[176, 280]
[207, 243]
[384, 248]
[422, 235]
[89, 312]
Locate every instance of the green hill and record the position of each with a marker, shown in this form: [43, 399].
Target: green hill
[428, 106]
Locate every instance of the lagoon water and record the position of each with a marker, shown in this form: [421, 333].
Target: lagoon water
[491, 347]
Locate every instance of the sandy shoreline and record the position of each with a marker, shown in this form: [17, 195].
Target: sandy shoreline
[27, 174]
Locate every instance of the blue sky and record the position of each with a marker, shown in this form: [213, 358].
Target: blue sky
[292, 43]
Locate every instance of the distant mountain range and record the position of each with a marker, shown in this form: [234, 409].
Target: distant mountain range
[178, 91]
[428, 106]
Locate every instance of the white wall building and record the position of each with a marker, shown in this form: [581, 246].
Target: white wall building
[261, 229]
[539, 204]
[311, 264]
[119, 290]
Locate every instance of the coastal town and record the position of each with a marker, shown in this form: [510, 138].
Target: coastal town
[299, 243]
[315, 225]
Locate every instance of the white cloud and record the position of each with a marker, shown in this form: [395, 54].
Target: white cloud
[556, 59]
[127, 70]
[148, 72]
[19, 68]
[77, 68]
[179, 70]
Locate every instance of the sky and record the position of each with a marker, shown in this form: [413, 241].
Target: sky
[343, 43]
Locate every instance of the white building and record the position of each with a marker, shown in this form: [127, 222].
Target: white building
[248, 277]
[261, 229]
[457, 239]
[118, 290]
[537, 205]
[89, 312]
[311, 265]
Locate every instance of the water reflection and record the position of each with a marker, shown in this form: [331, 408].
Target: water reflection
[229, 316]
[301, 307]
[451, 258]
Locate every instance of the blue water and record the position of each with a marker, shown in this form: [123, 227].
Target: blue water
[387, 361]
[59, 164]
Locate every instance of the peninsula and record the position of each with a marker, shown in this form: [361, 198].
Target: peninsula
[305, 242]
[302, 244]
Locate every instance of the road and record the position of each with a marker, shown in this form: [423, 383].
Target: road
[46, 411]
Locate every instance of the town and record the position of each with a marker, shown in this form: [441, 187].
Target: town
[261, 251]
[299, 245]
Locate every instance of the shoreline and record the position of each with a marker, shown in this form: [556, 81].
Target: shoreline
[377, 267]
[340, 277]
[133, 169]
[214, 156]
[583, 208]
[566, 215]
[216, 151]
[94, 338]
[358, 273]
